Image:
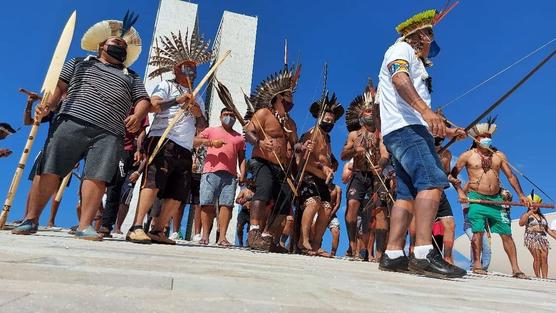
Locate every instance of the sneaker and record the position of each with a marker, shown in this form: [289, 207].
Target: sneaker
[160, 238]
[175, 236]
[88, 233]
[137, 235]
[105, 232]
[197, 238]
[27, 227]
[399, 264]
[253, 235]
[262, 243]
[435, 266]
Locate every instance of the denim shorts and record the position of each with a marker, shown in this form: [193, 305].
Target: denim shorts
[417, 164]
[73, 140]
[218, 188]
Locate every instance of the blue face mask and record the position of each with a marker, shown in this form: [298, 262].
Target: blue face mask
[434, 49]
[486, 142]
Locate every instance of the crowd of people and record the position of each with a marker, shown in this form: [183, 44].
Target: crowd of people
[395, 168]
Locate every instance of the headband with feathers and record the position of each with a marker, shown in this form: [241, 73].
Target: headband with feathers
[177, 50]
[425, 19]
[104, 30]
[277, 83]
[361, 103]
[484, 128]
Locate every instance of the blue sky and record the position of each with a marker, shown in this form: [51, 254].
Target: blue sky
[478, 38]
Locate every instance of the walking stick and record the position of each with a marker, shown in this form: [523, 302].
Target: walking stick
[48, 88]
[180, 113]
[62, 188]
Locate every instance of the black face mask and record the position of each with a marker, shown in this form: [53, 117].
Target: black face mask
[326, 126]
[117, 52]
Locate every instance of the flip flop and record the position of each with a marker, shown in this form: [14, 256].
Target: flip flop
[479, 271]
[520, 275]
[203, 242]
[224, 243]
[323, 254]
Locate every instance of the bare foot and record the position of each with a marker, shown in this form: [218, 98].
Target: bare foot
[224, 243]
[203, 242]
[117, 231]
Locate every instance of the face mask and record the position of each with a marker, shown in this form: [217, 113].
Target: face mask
[117, 52]
[485, 142]
[434, 50]
[438, 141]
[367, 121]
[228, 120]
[326, 126]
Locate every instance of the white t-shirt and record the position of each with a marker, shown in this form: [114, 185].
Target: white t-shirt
[183, 131]
[395, 113]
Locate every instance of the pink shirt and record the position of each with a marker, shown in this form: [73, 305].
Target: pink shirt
[225, 157]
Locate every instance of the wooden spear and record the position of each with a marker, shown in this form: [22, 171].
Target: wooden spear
[500, 203]
[48, 88]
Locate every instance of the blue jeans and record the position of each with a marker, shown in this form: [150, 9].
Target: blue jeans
[485, 253]
[417, 164]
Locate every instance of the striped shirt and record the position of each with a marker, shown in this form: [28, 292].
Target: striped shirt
[101, 94]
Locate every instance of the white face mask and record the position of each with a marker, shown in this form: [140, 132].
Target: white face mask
[485, 142]
[228, 120]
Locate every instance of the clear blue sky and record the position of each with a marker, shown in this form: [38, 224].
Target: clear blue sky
[477, 38]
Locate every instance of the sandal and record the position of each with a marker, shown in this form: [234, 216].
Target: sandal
[479, 271]
[520, 275]
[203, 242]
[323, 254]
[224, 243]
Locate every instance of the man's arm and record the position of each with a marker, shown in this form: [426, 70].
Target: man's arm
[27, 119]
[252, 130]
[384, 156]
[399, 69]
[338, 200]
[512, 179]
[446, 160]
[133, 122]
[242, 165]
[348, 152]
[53, 100]
[453, 177]
[346, 172]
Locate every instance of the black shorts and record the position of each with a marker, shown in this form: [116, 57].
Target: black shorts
[194, 187]
[444, 208]
[313, 186]
[361, 185]
[170, 171]
[271, 185]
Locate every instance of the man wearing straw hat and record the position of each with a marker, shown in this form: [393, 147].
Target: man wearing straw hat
[168, 176]
[101, 89]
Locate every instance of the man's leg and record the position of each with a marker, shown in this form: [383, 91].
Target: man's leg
[426, 204]
[322, 222]
[177, 218]
[196, 219]
[509, 247]
[169, 208]
[54, 205]
[476, 244]
[146, 201]
[40, 195]
[381, 232]
[312, 206]
[122, 213]
[449, 234]
[351, 222]
[208, 213]
[91, 193]
[400, 218]
[224, 217]
[335, 232]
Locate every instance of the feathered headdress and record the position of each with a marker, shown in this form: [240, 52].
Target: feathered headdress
[277, 83]
[331, 104]
[425, 19]
[177, 50]
[6, 129]
[250, 108]
[361, 103]
[104, 30]
[534, 197]
[484, 128]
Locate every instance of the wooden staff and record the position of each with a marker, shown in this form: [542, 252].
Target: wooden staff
[29, 93]
[182, 110]
[48, 88]
[500, 203]
[62, 188]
